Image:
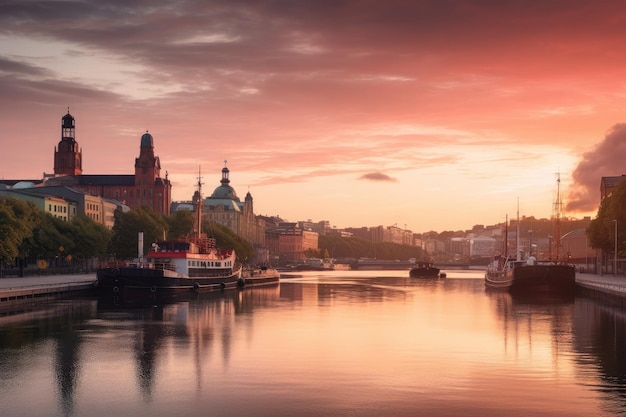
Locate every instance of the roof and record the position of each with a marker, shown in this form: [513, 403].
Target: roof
[227, 203]
[128, 180]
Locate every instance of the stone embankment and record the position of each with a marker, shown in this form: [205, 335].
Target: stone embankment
[26, 290]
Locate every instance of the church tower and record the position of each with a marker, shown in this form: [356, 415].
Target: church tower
[68, 157]
[147, 166]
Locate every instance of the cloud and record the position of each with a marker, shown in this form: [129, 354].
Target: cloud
[605, 160]
[377, 177]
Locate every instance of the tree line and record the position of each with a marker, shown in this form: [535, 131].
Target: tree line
[29, 235]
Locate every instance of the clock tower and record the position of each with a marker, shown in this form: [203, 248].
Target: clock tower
[68, 157]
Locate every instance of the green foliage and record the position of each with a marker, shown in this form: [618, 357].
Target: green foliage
[180, 224]
[90, 239]
[354, 247]
[17, 220]
[124, 242]
[227, 239]
[601, 231]
[48, 237]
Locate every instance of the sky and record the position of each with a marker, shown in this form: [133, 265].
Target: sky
[430, 115]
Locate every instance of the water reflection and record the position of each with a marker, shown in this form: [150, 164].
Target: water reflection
[323, 344]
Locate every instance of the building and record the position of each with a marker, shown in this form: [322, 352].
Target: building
[223, 206]
[609, 184]
[145, 187]
[287, 243]
[57, 207]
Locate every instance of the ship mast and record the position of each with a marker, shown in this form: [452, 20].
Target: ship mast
[557, 215]
[518, 256]
[198, 219]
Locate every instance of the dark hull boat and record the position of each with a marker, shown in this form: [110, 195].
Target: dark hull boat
[538, 277]
[424, 270]
[532, 275]
[172, 267]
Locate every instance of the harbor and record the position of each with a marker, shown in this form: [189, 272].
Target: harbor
[376, 343]
[33, 289]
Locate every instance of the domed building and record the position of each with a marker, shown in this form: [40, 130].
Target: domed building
[225, 207]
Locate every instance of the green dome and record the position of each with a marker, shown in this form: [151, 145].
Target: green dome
[225, 191]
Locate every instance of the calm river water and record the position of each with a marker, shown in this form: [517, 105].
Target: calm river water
[346, 343]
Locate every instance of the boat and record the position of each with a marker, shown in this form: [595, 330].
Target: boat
[424, 270]
[252, 277]
[189, 264]
[533, 275]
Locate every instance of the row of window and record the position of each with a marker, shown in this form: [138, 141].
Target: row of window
[205, 264]
[57, 209]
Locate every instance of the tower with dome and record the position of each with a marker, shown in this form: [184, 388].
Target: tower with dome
[223, 206]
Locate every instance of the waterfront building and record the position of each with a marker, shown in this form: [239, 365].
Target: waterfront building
[145, 187]
[287, 242]
[98, 209]
[57, 207]
[609, 184]
[223, 206]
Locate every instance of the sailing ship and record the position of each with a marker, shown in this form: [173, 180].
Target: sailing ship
[532, 275]
[173, 266]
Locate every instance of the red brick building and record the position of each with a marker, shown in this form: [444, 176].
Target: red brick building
[143, 188]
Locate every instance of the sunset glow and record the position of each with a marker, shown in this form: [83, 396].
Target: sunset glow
[430, 115]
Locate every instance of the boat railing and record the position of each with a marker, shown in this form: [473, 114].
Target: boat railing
[153, 265]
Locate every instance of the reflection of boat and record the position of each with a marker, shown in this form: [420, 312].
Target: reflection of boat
[424, 270]
[173, 267]
[532, 275]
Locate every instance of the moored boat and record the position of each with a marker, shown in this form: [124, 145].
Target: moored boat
[532, 275]
[173, 267]
[424, 270]
[252, 277]
[170, 268]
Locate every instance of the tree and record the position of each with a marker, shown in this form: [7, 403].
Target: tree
[91, 239]
[227, 239]
[17, 220]
[180, 224]
[124, 241]
[601, 230]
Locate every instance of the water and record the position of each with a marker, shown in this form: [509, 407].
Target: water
[372, 343]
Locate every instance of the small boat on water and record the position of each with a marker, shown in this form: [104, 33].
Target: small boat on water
[532, 275]
[259, 276]
[173, 267]
[424, 270]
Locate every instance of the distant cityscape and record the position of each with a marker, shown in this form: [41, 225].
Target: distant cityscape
[67, 192]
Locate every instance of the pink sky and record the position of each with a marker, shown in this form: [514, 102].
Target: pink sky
[431, 115]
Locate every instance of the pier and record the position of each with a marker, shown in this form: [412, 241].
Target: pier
[24, 290]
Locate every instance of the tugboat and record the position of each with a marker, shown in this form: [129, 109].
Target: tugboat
[424, 270]
[172, 267]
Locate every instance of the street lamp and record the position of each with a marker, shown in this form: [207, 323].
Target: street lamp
[615, 256]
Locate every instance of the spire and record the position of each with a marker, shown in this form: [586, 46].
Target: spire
[225, 172]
